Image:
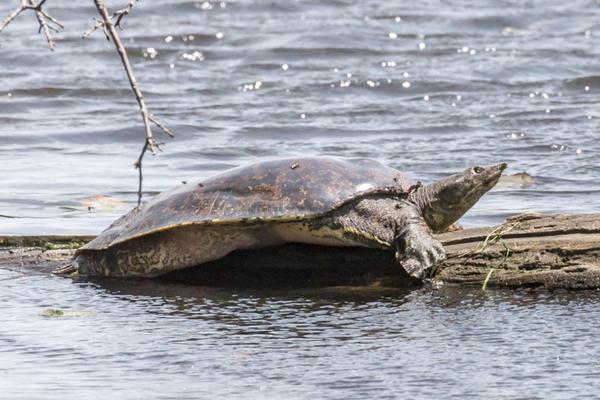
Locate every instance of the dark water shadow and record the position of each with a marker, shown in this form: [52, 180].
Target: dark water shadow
[285, 271]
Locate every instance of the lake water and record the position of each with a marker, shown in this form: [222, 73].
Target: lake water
[428, 87]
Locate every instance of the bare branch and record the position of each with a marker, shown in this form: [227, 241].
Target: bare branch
[118, 15]
[98, 24]
[138, 165]
[47, 23]
[49, 17]
[42, 17]
[12, 16]
[43, 24]
[123, 12]
[156, 122]
[150, 143]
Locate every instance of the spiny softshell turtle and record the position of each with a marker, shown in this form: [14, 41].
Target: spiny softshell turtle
[325, 201]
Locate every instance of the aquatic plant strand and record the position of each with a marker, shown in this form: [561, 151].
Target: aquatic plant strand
[487, 279]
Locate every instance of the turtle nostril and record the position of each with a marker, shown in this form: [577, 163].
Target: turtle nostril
[502, 166]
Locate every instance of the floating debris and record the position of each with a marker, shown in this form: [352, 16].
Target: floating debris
[520, 179]
[101, 203]
[97, 204]
[57, 312]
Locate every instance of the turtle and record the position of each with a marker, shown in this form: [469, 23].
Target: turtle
[315, 200]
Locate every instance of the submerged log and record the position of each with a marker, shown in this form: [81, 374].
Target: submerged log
[529, 250]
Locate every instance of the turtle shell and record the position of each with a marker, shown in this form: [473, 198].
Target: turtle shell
[278, 190]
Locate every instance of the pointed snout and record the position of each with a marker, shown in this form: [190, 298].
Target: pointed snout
[495, 171]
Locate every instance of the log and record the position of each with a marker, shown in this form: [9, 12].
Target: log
[527, 251]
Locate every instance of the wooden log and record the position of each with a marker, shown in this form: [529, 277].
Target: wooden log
[529, 250]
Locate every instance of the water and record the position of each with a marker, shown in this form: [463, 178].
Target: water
[170, 341]
[429, 88]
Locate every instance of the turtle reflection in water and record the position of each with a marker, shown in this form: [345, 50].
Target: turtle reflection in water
[323, 201]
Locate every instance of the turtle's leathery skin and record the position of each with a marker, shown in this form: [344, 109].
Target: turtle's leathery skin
[158, 253]
[433, 208]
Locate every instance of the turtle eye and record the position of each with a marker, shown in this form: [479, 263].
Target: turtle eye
[477, 170]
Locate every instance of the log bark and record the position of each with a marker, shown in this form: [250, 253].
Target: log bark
[551, 251]
[527, 251]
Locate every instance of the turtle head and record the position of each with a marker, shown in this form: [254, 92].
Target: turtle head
[443, 202]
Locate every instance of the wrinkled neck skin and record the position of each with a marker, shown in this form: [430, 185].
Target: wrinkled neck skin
[428, 204]
[442, 203]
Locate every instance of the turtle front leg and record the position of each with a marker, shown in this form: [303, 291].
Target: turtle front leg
[416, 249]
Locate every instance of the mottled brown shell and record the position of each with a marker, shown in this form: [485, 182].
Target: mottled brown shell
[281, 190]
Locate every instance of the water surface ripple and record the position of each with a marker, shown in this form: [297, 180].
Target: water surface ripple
[157, 340]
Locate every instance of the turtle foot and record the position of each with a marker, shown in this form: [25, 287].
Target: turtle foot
[420, 255]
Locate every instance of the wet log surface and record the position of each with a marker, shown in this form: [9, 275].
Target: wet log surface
[531, 250]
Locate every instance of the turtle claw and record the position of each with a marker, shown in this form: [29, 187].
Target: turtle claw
[420, 255]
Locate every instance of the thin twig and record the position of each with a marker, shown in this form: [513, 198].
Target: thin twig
[123, 12]
[44, 19]
[138, 165]
[13, 15]
[118, 15]
[51, 19]
[150, 143]
[156, 122]
[46, 15]
[43, 24]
